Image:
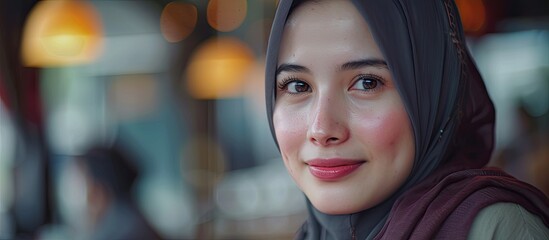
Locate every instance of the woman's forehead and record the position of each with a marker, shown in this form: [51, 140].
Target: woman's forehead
[327, 31]
[335, 10]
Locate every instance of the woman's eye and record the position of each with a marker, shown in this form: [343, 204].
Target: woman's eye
[366, 83]
[297, 87]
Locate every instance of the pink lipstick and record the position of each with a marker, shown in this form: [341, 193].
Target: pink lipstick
[332, 169]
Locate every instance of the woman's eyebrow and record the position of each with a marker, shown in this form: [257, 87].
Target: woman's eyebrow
[370, 62]
[291, 68]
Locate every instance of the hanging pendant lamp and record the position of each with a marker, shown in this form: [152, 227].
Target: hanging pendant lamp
[61, 33]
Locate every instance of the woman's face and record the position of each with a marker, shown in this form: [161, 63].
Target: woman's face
[342, 129]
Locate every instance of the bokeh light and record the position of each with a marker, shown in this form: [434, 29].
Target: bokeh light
[217, 69]
[226, 15]
[178, 21]
[473, 15]
[61, 33]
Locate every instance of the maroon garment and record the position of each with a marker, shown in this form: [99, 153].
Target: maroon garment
[448, 209]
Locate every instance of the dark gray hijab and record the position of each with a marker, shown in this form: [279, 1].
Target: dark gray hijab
[450, 112]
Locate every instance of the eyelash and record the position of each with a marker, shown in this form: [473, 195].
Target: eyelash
[377, 79]
[283, 84]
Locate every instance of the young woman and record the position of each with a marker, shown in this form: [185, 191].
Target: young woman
[383, 121]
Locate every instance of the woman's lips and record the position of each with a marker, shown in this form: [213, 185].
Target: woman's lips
[332, 169]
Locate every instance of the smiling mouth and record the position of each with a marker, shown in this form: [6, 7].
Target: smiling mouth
[332, 169]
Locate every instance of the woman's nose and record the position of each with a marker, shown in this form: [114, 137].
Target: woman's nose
[328, 125]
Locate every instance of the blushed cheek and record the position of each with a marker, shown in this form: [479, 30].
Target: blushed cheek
[385, 131]
[290, 130]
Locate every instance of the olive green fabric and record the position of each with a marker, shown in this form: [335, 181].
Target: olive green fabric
[507, 221]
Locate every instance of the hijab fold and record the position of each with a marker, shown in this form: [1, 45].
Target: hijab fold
[452, 118]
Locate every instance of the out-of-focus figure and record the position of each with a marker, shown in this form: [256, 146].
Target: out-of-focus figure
[112, 213]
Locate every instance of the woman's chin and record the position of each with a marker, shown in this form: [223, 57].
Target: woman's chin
[335, 199]
[336, 207]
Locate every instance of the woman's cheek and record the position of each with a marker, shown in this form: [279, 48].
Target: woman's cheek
[382, 130]
[290, 130]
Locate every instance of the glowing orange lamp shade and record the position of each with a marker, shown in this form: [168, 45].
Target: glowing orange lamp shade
[226, 15]
[59, 33]
[178, 21]
[217, 69]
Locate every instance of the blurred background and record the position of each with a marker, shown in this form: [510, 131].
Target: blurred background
[169, 95]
